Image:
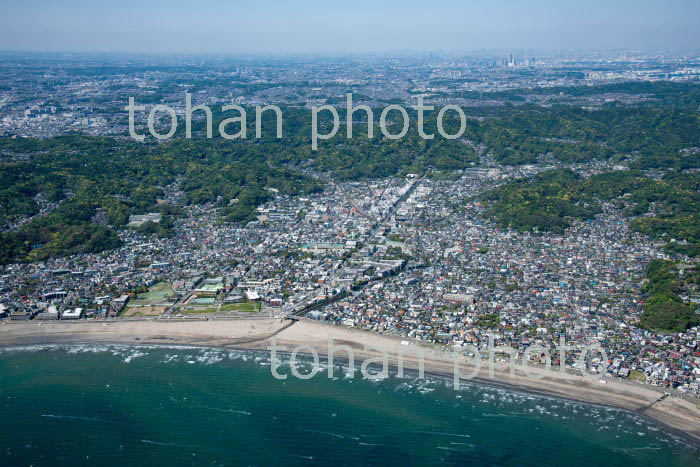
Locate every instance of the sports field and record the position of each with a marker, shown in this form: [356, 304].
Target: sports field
[156, 294]
[249, 307]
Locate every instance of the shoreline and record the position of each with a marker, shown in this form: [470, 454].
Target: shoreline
[674, 414]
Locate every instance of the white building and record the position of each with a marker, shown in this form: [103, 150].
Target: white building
[77, 313]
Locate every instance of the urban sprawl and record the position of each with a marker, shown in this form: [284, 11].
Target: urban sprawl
[414, 255]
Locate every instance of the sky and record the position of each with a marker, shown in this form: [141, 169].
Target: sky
[316, 26]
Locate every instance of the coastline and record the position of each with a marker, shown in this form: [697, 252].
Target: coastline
[677, 415]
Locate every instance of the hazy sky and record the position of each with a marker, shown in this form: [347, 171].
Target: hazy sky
[277, 26]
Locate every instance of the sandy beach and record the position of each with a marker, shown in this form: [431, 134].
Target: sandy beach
[676, 414]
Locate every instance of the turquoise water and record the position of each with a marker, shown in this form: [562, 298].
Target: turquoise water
[114, 405]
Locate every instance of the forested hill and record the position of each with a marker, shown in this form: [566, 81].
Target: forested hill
[78, 179]
[667, 208]
[664, 309]
[81, 175]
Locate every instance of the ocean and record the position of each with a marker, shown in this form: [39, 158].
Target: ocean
[123, 405]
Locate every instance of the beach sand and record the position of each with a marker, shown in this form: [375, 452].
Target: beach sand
[678, 415]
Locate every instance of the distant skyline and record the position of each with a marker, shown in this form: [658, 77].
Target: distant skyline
[314, 26]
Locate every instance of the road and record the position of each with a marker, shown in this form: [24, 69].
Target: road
[297, 303]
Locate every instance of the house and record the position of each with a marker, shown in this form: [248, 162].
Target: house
[118, 304]
[20, 316]
[50, 314]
